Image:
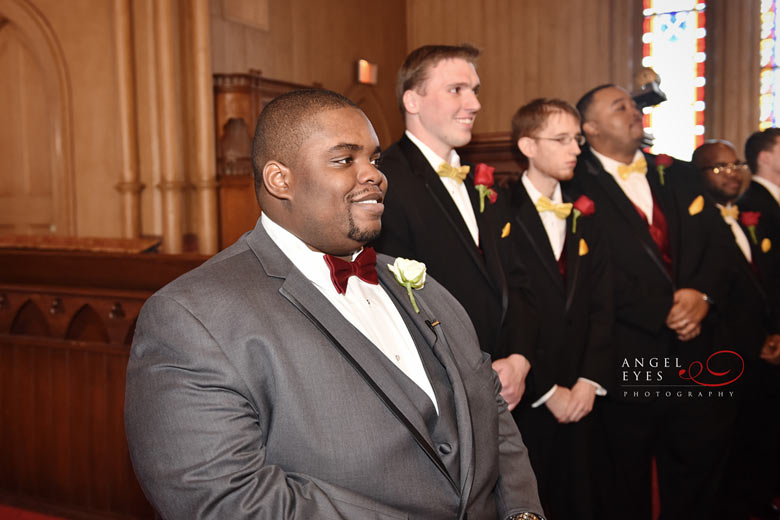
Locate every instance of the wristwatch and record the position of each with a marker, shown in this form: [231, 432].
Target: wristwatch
[525, 516]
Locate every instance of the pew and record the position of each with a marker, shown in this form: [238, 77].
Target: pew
[66, 323]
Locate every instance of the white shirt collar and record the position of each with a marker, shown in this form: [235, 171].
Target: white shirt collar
[535, 194]
[310, 263]
[771, 187]
[433, 159]
[611, 165]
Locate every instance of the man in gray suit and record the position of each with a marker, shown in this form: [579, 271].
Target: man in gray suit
[263, 385]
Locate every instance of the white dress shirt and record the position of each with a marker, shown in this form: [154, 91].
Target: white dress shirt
[556, 232]
[554, 226]
[739, 234]
[366, 306]
[771, 187]
[457, 190]
[636, 187]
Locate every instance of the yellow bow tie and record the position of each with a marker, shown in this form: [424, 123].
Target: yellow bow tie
[638, 166]
[561, 210]
[458, 173]
[729, 211]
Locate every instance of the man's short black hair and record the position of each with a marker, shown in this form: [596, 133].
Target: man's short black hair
[285, 122]
[759, 142]
[583, 105]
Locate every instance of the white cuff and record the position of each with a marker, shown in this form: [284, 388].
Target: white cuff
[539, 402]
[600, 390]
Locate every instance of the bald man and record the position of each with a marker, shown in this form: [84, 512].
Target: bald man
[668, 273]
[295, 376]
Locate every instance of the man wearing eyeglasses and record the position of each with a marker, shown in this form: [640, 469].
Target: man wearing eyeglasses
[560, 244]
[745, 324]
[667, 273]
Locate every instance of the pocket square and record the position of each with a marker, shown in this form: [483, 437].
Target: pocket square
[506, 230]
[766, 245]
[696, 206]
[583, 247]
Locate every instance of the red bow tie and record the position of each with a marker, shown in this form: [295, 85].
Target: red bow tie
[364, 267]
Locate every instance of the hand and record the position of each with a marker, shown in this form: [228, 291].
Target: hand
[558, 402]
[770, 352]
[688, 310]
[512, 371]
[581, 399]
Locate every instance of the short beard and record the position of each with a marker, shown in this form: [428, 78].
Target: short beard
[358, 235]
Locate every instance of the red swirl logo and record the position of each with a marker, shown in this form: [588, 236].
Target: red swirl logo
[696, 368]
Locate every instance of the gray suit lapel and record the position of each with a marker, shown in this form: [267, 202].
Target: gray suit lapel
[342, 334]
[436, 338]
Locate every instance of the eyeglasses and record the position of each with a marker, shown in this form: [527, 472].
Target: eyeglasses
[565, 140]
[728, 168]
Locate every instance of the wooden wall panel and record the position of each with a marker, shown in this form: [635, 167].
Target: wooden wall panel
[310, 41]
[533, 48]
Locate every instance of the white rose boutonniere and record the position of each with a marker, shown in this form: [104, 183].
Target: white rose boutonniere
[410, 274]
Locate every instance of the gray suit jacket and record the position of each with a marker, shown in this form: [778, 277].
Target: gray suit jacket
[239, 406]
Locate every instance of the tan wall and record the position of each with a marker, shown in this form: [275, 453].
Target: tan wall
[534, 48]
[315, 41]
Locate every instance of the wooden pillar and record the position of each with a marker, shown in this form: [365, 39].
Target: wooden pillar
[206, 174]
[129, 186]
[172, 184]
[732, 71]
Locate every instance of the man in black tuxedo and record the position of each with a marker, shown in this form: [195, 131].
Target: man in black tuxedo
[557, 237]
[747, 326]
[434, 213]
[762, 153]
[667, 272]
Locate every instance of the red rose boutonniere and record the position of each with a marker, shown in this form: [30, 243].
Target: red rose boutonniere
[483, 181]
[749, 219]
[661, 162]
[583, 207]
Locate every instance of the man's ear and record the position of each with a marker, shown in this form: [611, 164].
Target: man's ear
[411, 100]
[527, 145]
[589, 128]
[277, 180]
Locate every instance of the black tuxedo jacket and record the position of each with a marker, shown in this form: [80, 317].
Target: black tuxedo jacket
[745, 314]
[766, 252]
[643, 287]
[573, 316]
[421, 222]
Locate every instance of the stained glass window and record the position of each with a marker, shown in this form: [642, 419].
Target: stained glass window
[673, 46]
[769, 101]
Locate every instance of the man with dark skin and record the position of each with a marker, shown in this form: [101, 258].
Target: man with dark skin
[667, 274]
[292, 376]
[746, 325]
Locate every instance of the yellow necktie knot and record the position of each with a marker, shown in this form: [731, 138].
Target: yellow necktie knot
[561, 210]
[639, 166]
[453, 172]
[730, 211]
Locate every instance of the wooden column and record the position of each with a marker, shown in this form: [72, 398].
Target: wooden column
[206, 175]
[732, 71]
[172, 184]
[130, 187]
